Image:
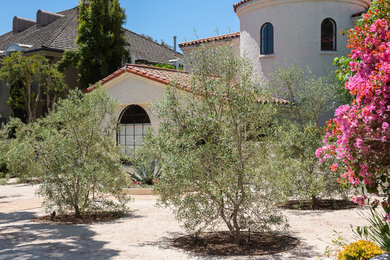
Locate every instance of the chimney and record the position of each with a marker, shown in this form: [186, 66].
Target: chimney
[174, 42]
[44, 18]
[20, 24]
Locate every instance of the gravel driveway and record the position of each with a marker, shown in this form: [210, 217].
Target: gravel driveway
[145, 234]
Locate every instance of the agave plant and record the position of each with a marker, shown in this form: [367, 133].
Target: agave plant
[146, 173]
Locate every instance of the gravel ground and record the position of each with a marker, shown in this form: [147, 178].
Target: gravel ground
[145, 234]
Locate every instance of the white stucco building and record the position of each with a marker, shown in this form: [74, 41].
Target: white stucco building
[306, 31]
[272, 33]
[279, 32]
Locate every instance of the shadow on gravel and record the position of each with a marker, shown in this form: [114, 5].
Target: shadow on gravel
[301, 252]
[22, 239]
[7, 197]
[165, 242]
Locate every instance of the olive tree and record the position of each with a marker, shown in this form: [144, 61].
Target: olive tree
[73, 152]
[209, 143]
[298, 131]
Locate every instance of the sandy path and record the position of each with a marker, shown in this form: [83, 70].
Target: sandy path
[145, 234]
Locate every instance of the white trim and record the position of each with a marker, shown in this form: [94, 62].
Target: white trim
[248, 7]
[328, 53]
[266, 56]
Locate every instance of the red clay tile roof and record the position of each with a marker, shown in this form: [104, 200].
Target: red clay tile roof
[164, 76]
[211, 39]
[181, 79]
[236, 5]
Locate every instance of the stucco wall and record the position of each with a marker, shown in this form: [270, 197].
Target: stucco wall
[297, 32]
[129, 89]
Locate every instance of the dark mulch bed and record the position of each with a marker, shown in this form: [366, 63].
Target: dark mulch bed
[221, 243]
[320, 204]
[85, 219]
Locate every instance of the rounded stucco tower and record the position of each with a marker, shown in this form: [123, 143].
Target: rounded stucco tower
[276, 32]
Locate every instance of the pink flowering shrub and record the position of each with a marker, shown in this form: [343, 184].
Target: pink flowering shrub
[359, 134]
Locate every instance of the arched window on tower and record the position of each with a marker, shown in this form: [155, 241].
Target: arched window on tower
[132, 127]
[267, 39]
[328, 35]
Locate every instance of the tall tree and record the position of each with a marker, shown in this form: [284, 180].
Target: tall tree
[209, 144]
[101, 41]
[33, 82]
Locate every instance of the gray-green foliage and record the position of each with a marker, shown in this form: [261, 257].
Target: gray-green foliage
[299, 134]
[19, 154]
[4, 147]
[210, 143]
[73, 152]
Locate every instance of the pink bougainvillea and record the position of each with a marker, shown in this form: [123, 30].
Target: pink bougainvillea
[359, 134]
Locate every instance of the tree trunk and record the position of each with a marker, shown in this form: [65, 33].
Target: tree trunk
[237, 236]
[28, 103]
[314, 200]
[37, 99]
[77, 211]
[237, 228]
[47, 100]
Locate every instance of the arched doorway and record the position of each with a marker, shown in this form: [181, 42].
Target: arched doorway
[132, 127]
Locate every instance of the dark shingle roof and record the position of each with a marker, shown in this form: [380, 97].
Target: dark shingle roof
[146, 49]
[61, 35]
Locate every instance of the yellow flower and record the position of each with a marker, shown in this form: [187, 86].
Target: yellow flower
[360, 250]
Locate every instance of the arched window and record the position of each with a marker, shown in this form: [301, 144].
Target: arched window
[328, 35]
[267, 39]
[133, 124]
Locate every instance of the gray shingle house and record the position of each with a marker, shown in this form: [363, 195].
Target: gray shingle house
[52, 33]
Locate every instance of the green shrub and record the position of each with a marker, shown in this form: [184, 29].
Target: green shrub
[298, 134]
[73, 153]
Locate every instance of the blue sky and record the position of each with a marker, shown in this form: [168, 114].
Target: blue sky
[161, 19]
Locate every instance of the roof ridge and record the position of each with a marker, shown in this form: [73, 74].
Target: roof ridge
[140, 35]
[67, 10]
[140, 71]
[156, 68]
[236, 5]
[211, 39]
[63, 28]
[166, 79]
